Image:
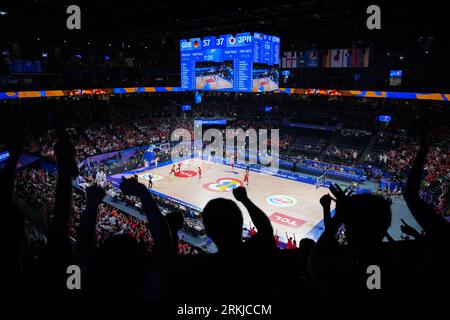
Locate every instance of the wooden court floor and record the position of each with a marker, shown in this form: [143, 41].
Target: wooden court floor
[292, 207]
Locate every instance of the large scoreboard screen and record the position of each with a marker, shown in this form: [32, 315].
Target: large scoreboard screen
[244, 63]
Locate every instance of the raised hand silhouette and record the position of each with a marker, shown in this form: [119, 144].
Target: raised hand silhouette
[410, 231]
[325, 200]
[240, 194]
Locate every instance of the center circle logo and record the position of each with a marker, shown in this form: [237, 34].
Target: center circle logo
[186, 174]
[280, 200]
[155, 177]
[223, 185]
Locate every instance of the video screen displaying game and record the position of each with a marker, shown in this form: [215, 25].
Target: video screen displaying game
[241, 63]
[214, 75]
[265, 77]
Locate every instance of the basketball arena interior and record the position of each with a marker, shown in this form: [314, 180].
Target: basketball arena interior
[250, 155]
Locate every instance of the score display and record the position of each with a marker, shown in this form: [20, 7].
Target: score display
[244, 63]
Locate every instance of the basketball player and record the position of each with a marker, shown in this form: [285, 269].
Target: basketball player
[179, 167]
[246, 177]
[232, 163]
[150, 182]
[172, 170]
[156, 162]
[199, 172]
[319, 181]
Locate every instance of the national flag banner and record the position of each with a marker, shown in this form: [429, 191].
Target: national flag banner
[325, 58]
[348, 56]
[294, 59]
[284, 60]
[302, 59]
[289, 60]
[336, 58]
[364, 57]
[355, 58]
[313, 58]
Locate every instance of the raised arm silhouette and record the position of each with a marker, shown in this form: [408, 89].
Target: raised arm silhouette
[60, 254]
[12, 222]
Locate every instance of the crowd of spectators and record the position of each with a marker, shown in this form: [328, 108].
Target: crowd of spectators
[436, 173]
[36, 188]
[150, 259]
[333, 267]
[98, 127]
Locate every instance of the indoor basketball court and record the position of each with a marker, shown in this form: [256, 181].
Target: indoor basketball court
[208, 82]
[293, 207]
[264, 84]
